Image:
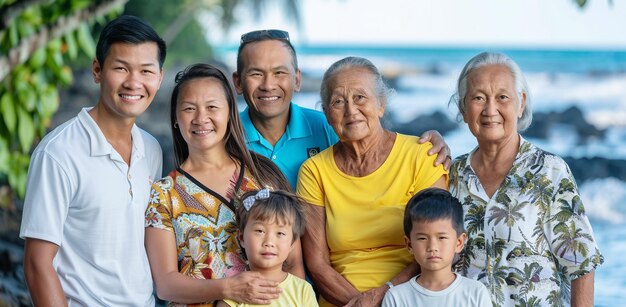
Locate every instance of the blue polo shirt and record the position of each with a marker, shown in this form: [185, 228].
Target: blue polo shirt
[307, 134]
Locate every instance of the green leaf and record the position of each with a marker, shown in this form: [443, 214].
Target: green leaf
[14, 36]
[54, 61]
[32, 15]
[38, 58]
[80, 4]
[18, 172]
[25, 28]
[39, 78]
[49, 102]
[25, 129]
[26, 90]
[85, 40]
[101, 19]
[30, 100]
[55, 45]
[65, 75]
[70, 43]
[4, 156]
[7, 106]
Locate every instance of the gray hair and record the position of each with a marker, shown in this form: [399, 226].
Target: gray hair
[494, 58]
[382, 91]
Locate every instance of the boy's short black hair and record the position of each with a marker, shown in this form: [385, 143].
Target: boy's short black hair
[131, 30]
[431, 205]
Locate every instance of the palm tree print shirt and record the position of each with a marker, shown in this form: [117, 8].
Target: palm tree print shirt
[532, 237]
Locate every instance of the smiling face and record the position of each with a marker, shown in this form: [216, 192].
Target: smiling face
[354, 110]
[268, 79]
[267, 244]
[493, 105]
[129, 79]
[202, 114]
[434, 244]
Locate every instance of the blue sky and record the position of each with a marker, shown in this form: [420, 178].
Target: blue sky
[511, 23]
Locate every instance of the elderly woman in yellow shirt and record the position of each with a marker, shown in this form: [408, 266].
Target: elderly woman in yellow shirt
[357, 190]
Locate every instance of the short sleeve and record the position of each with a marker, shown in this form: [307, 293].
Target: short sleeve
[389, 300]
[484, 298]
[308, 297]
[427, 173]
[309, 186]
[159, 210]
[158, 163]
[568, 230]
[49, 192]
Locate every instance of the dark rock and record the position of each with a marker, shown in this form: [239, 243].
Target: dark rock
[573, 117]
[435, 121]
[595, 168]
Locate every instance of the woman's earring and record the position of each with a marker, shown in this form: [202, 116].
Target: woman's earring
[175, 125]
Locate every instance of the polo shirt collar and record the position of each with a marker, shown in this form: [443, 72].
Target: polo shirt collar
[297, 126]
[99, 146]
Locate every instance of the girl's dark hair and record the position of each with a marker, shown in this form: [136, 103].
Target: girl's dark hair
[431, 205]
[281, 206]
[131, 30]
[234, 138]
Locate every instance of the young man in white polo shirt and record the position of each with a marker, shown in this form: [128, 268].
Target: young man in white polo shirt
[89, 183]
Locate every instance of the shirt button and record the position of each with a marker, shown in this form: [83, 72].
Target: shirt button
[130, 177]
[274, 157]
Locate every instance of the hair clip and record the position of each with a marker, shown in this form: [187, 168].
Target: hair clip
[248, 202]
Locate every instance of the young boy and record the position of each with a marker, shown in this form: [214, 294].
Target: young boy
[269, 224]
[433, 228]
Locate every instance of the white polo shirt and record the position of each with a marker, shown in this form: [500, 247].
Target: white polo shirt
[82, 196]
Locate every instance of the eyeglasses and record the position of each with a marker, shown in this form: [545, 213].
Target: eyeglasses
[264, 34]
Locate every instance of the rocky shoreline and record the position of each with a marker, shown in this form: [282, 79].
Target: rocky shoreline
[84, 93]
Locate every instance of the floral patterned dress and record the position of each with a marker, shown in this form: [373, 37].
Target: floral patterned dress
[532, 237]
[203, 223]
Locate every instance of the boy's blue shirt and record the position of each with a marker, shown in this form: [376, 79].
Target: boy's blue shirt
[307, 134]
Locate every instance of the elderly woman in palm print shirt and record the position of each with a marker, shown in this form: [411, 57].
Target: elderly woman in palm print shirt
[529, 240]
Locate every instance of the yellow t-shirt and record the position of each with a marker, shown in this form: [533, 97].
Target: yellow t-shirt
[364, 215]
[296, 292]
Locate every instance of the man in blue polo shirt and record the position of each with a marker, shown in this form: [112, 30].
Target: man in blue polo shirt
[267, 76]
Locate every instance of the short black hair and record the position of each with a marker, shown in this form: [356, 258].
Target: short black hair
[131, 30]
[286, 43]
[431, 205]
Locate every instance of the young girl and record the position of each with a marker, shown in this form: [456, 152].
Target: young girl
[270, 222]
[191, 234]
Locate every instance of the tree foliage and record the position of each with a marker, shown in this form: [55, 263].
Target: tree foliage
[179, 22]
[37, 39]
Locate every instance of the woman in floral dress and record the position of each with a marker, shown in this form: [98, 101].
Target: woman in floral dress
[529, 240]
[191, 234]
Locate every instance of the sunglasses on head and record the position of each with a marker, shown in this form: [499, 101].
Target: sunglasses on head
[264, 34]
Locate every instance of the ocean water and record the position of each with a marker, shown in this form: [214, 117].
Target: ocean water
[592, 80]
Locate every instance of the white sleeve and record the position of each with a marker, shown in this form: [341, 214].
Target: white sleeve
[484, 299]
[389, 300]
[47, 201]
